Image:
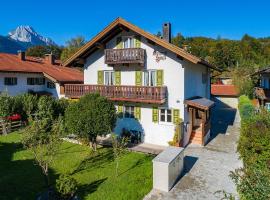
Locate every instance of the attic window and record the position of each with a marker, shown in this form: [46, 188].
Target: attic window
[128, 42]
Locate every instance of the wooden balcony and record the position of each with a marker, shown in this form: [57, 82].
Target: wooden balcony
[140, 94]
[124, 56]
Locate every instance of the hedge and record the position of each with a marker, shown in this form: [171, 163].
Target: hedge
[246, 107]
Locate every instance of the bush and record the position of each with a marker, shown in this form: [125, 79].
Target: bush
[93, 115]
[246, 107]
[66, 186]
[253, 180]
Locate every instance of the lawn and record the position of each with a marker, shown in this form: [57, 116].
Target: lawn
[20, 178]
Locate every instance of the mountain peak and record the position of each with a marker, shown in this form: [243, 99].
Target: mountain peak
[26, 34]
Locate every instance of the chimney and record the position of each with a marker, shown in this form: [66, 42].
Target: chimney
[21, 55]
[49, 59]
[167, 32]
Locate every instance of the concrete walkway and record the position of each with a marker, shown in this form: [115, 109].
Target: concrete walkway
[207, 168]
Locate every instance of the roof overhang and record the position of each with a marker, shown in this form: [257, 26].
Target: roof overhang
[200, 103]
[115, 28]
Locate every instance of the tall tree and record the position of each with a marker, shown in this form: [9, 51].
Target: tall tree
[72, 46]
[40, 51]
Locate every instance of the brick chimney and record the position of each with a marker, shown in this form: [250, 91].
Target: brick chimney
[21, 55]
[49, 59]
[166, 28]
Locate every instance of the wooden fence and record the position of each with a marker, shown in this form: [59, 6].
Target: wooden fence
[11, 126]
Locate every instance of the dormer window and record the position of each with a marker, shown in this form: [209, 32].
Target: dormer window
[128, 42]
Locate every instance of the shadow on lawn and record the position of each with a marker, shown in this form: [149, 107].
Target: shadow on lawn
[95, 160]
[87, 189]
[20, 177]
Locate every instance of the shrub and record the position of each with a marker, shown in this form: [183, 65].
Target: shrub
[246, 107]
[66, 186]
[91, 116]
[253, 180]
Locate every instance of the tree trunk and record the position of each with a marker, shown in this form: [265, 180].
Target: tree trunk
[4, 128]
[93, 143]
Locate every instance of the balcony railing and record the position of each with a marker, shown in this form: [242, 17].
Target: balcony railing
[142, 94]
[124, 56]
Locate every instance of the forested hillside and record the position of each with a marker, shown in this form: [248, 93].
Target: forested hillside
[249, 52]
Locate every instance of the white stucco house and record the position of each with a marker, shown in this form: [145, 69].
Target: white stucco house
[23, 74]
[152, 82]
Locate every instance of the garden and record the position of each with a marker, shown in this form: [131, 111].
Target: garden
[37, 163]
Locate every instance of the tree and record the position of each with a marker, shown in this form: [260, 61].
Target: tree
[5, 110]
[43, 140]
[40, 51]
[92, 116]
[71, 47]
[119, 145]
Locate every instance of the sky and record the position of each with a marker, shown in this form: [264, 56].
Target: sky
[61, 20]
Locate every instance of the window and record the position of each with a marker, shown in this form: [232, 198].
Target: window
[109, 77]
[129, 111]
[128, 42]
[10, 80]
[267, 106]
[50, 85]
[150, 78]
[165, 115]
[36, 81]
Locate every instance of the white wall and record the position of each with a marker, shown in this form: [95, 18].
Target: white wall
[174, 71]
[22, 86]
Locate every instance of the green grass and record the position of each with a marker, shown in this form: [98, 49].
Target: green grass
[21, 178]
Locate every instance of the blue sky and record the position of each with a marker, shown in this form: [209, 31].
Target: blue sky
[61, 20]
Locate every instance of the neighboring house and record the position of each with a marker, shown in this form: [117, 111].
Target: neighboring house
[152, 82]
[224, 93]
[22, 74]
[262, 91]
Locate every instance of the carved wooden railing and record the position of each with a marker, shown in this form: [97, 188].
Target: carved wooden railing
[123, 56]
[143, 94]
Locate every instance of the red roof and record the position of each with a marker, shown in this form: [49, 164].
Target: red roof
[12, 63]
[223, 90]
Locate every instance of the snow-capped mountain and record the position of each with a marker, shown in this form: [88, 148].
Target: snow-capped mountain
[22, 38]
[28, 35]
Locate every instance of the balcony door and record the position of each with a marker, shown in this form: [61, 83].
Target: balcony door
[128, 42]
[150, 78]
[109, 77]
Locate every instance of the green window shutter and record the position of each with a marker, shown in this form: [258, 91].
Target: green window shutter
[155, 114]
[137, 113]
[100, 78]
[159, 77]
[119, 43]
[120, 111]
[117, 77]
[137, 42]
[176, 114]
[138, 78]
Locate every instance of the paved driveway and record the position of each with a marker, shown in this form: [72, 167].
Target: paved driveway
[207, 168]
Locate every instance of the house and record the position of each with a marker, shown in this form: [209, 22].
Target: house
[224, 93]
[21, 74]
[262, 89]
[152, 82]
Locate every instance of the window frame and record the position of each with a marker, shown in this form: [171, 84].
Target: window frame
[166, 115]
[111, 77]
[10, 81]
[149, 78]
[130, 114]
[35, 81]
[130, 42]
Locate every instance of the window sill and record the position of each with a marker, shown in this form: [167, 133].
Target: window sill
[166, 123]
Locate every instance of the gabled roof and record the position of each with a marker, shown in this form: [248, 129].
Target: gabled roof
[224, 90]
[11, 63]
[116, 27]
[200, 102]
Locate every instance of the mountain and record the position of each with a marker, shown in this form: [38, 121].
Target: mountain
[22, 38]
